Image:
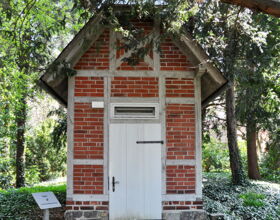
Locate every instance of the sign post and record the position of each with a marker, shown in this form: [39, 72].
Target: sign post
[46, 201]
[46, 215]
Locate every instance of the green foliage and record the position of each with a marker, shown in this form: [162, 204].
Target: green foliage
[252, 199]
[56, 188]
[215, 156]
[220, 196]
[19, 204]
[245, 46]
[6, 177]
[269, 174]
[172, 15]
[44, 160]
[270, 165]
[58, 135]
[243, 153]
[259, 81]
[30, 34]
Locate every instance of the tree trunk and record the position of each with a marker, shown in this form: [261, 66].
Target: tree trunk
[20, 139]
[252, 157]
[238, 177]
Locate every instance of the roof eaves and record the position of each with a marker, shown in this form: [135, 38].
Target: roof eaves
[69, 55]
[203, 58]
[218, 92]
[52, 92]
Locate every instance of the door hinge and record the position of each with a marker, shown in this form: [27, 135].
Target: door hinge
[149, 142]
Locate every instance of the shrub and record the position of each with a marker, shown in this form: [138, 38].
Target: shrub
[242, 145]
[19, 203]
[215, 156]
[6, 177]
[270, 165]
[43, 161]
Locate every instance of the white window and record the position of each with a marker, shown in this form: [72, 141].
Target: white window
[134, 110]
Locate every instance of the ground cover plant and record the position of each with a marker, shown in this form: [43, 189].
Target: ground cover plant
[255, 200]
[18, 204]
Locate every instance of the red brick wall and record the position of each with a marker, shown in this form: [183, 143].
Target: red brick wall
[146, 27]
[88, 179]
[180, 179]
[171, 58]
[180, 131]
[140, 66]
[88, 132]
[97, 56]
[182, 205]
[134, 87]
[89, 86]
[87, 205]
[179, 87]
[88, 122]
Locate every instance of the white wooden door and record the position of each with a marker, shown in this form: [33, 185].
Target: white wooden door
[137, 171]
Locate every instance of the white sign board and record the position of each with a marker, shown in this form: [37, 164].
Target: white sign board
[46, 200]
[97, 104]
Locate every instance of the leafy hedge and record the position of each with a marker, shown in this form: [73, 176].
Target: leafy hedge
[19, 203]
[254, 201]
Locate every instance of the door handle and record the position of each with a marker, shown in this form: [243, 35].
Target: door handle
[114, 183]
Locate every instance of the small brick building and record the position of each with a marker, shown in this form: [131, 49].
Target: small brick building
[134, 132]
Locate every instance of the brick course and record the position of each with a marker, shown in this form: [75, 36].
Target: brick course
[134, 87]
[140, 66]
[180, 131]
[97, 56]
[180, 179]
[89, 86]
[179, 87]
[88, 179]
[182, 205]
[145, 28]
[88, 132]
[171, 58]
[87, 205]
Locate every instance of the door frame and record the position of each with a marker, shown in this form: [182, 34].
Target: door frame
[158, 119]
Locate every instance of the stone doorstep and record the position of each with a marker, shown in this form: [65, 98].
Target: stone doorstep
[194, 215]
[216, 216]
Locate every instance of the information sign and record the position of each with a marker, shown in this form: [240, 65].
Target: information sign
[46, 200]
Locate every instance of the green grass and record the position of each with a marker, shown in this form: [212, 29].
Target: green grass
[34, 189]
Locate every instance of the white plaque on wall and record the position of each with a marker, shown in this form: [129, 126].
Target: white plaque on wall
[97, 104]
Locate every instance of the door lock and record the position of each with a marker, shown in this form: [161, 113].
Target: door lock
[114, 183]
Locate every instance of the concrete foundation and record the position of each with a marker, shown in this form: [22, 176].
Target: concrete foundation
[186, 215]
[99, 215]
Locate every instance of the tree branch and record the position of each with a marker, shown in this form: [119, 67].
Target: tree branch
[271, 7]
